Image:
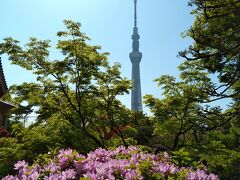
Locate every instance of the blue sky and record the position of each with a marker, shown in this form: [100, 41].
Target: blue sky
[108, 23]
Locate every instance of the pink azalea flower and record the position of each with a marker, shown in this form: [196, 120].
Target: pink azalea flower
[20, 165]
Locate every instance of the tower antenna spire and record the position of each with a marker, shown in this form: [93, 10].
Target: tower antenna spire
[135, 13]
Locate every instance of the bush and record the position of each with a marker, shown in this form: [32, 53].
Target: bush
[121, 163]
[10, 152]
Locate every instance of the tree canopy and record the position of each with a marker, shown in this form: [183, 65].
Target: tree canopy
[81, 87]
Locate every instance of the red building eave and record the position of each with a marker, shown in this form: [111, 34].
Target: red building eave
[5, 106]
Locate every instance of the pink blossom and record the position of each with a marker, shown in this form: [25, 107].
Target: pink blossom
[20, 165]
[101, 164]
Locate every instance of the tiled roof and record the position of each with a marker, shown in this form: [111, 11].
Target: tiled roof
[3, 84]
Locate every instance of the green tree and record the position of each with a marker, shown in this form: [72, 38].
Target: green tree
[81, 87]
[208, 134]
[216, 33]
[215, 50]
[179, 117]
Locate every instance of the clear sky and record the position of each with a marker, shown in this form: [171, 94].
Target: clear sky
[108, 23]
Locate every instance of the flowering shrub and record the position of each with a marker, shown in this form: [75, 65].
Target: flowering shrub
[4, 133]
[121, 163]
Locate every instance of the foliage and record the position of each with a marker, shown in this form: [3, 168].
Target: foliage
[176, 116]
[181, 157]
[28, 143]
[215, 50]
[224, 144]
[10, 152]
[197, 134]
[81, 87]
[121, 163]
[216, 40]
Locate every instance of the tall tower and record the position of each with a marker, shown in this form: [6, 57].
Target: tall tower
[136, 56]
